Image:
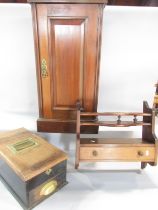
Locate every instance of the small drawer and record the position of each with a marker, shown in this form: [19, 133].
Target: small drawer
[112, 153]
[50, 173]
[47, 188]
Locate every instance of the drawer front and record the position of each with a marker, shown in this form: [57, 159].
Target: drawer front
[145, 154]
[52, 172]
[46, 189]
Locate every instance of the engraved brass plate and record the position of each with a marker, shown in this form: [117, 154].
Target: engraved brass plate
[22, 145]
[44, 71]
[49, 188]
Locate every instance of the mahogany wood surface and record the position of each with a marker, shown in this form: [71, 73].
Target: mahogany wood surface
[67, 41]
[70, 1]
[30, 162]
[118, 153]
[133, 2]
[28, 193]
[142, 150]
[115, 124]
[62, 126]
[35, 196]
[114, 114]
[14, 181]
[127, 142]
[29, 166]
[147, 131]
[110, 2]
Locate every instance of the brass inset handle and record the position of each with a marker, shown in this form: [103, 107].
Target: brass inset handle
[44, 71]
[95, 153]
[49, 188]
[140, 153]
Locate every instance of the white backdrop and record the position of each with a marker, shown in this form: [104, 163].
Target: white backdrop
[129, 64]
[129, 68]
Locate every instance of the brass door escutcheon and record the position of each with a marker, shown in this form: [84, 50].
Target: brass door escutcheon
[44, 71]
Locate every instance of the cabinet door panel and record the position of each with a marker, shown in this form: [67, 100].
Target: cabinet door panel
[67, 44]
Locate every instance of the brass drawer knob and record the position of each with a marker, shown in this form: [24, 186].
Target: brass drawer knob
[95, 153]
[140, 153]
[92, 141]
[49, 188]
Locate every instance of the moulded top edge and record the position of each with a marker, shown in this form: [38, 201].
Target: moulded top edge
[70, 1]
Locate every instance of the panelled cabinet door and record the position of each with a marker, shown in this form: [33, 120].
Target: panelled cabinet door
[67, 38]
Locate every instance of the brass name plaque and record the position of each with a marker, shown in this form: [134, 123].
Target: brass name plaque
[22, 145]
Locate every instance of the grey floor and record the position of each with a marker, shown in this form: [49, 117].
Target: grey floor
[129, 188]
[103, 186]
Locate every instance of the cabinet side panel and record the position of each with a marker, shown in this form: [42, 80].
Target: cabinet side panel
[36, 46]
[44, 60]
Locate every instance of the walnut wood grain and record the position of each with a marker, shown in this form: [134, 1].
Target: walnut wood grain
[118, 153]
[28, 193]
[30, 162]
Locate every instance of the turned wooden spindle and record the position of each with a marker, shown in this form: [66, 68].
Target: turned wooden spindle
[119, 119]
[135, 119]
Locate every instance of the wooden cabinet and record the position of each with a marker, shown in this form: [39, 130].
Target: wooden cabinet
[67, 43]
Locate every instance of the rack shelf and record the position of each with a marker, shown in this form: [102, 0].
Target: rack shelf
[142, 149]
[114, 124]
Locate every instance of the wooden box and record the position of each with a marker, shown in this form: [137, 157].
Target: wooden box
[30, 167]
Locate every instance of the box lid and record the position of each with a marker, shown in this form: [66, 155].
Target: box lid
[28, 154]
[70, 1]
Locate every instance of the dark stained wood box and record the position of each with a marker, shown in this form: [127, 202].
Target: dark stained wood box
[30, 167]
